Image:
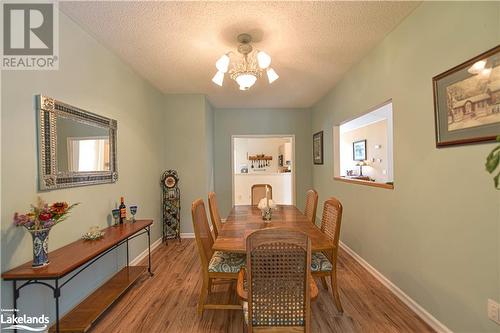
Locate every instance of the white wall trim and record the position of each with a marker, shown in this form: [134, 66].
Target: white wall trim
[144, 253]
[414, 306]
[187, 235]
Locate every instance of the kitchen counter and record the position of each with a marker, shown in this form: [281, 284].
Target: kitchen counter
[281, 182]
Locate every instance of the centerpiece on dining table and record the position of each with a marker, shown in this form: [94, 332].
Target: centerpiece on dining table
[266, 205]
[38, 222]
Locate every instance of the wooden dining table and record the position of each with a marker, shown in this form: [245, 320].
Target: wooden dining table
[243, 220]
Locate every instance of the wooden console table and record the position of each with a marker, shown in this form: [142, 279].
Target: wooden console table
[80, 255]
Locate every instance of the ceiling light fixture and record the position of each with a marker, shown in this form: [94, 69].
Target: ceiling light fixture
[246, 66]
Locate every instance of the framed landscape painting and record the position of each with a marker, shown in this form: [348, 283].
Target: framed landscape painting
[318, 148]
[467, 101]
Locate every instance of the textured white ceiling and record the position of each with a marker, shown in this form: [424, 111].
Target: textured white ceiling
[174, 45]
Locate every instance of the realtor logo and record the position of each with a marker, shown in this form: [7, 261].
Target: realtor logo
[29, 36]
[10, 319]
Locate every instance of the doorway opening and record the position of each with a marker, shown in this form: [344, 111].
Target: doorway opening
[263, 159]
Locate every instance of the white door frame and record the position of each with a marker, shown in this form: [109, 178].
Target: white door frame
[237, 136]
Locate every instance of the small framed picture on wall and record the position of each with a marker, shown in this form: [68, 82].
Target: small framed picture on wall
[359, 150]
[467, 101]
[318, 148]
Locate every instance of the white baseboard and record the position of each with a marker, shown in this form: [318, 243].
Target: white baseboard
[187, 235]
[144, 253]
[414, 306]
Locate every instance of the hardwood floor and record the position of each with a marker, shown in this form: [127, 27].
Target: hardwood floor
[167, 301]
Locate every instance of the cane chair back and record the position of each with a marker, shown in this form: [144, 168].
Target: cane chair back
[325, 263]
[278, 266]
[202, 234]
[259, 192]
[331, 220]
[311, 205]
[214, 213]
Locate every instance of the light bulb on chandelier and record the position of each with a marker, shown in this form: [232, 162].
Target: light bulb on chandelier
[264, 59]
[244, 67]
[218, 78]
[223, 63]
[272, 75]
[246, 81]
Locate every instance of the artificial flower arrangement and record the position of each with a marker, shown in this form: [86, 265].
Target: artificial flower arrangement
[42, 216]
[264, 203]
[38, 221]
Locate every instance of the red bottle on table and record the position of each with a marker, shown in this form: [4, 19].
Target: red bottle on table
[123, 210]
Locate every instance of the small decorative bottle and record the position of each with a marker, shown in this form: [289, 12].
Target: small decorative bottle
[123, 210]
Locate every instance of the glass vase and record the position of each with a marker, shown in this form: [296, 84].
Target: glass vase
[267, 214]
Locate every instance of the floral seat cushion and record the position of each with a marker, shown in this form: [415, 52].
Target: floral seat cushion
[320, 263]
[226, 262]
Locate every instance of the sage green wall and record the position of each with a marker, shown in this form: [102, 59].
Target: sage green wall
[230, 122]
[187, 146]
[94, 79]
[209, 139]
[436, 235]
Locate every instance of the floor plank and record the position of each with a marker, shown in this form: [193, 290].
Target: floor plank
[167, 301]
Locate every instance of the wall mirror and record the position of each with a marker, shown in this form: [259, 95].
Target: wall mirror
[75, 147]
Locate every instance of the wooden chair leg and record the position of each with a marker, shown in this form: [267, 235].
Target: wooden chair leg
[231, 291]
[323, 282]
[335, 292]
[203, 297]
[209, 286]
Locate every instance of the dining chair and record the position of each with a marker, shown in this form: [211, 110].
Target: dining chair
[259, 192]
[215, 264]
[279, 285]
[324, 264]
[311, 205]
[214, 213]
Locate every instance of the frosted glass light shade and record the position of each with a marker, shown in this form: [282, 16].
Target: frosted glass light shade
[222, 64]
[218, 78]
[263, 59]
[245, 81]
[272, 75]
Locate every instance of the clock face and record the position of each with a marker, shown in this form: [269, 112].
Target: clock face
[170, 181]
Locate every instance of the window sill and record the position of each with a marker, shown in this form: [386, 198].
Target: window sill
[365, 183]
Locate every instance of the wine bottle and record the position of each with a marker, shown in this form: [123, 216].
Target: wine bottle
[123, 211]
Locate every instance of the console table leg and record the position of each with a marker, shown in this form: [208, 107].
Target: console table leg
[57, 293]
[149, 251]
